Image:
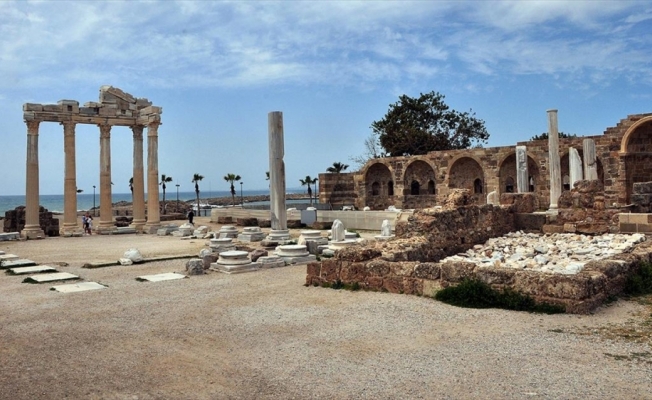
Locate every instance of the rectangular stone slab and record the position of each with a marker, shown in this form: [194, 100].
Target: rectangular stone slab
[57, 276]
[160, 277]
[17, 263]
[77, 287]
[31, 270]
[8, 257]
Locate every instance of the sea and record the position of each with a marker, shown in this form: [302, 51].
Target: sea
[86, 201]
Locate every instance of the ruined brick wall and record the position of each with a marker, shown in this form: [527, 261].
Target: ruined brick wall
[14, 221]
[618, 169]
[642, 197]
[337, 189]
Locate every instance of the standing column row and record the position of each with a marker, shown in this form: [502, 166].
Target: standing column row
[70, 226]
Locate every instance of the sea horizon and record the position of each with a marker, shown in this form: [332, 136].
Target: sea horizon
[86, 201]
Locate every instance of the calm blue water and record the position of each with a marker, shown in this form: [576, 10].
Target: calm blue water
[54, 202]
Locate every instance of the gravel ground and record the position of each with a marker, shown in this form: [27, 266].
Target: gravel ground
[264, 335]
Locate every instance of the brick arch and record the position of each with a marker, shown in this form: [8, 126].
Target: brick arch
[419, 171]
[464, 171]
[378, 179]
[630, 136]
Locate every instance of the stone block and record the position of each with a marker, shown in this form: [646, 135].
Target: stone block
[431, 271]
[264, 223]
[628, 227]
[32, 107]
[224, 220]
[195, 266]
[529, 222]
[321, 225]
[313, 268]
[642, 187]
[330, 270]
[246, 222]
[208, 259]
[294, 224]
[570, 228]
[373, 282]
[548, 229]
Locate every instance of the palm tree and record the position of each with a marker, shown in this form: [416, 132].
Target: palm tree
[164, 180]
[337, 168]
[232, 178]
[267, 175]
[307, 182]
[195, 179]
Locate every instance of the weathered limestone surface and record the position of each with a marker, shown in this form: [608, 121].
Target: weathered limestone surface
[590, 165]
[576, 173]
[554, 165]
[522, 174]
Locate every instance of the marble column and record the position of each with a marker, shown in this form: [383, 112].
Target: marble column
[32, 229]
[153, 213]
[590, 163]
[70, 226]
[522, 174]
[138, 183]
[106, 206]
[554, 165]
[575, 166]
[278, 215]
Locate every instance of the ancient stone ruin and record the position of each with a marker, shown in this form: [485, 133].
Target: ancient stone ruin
[14, 221]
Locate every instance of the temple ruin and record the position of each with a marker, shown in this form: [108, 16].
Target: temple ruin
[115, 108]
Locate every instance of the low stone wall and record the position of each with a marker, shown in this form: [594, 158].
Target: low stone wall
[580, 293]
[14, 221]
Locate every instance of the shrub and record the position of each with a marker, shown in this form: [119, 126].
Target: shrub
[473, 293]
[640, 283]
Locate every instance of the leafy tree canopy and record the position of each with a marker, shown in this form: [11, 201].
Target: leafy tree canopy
[544, 136]
[418, 125]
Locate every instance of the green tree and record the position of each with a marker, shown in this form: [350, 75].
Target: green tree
[562, 135]
[337, 167]
[307, 182]
[418, 125]
[195, 179]
[164, 180]
[231, 178]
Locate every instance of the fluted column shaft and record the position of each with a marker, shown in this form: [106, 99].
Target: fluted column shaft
[153, 214]
[106, 208]
[70, 226]
[138, 180]
[554, 164]
[32, 229]
[277, 171]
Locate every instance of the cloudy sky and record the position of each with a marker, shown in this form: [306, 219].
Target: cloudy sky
[332, 68]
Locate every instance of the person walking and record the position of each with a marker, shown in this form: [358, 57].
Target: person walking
[89, 224]
[191, 215]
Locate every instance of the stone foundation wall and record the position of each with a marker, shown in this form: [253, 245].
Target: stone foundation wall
[642, 197]
[14, 221]
[337, 189]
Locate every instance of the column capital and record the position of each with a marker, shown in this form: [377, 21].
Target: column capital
[138, 131]
[68, 127]
[152, 128]
[105, 131]
[32, 127]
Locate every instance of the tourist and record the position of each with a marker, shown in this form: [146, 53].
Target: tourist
[191, 215]
[89, 224]
[84, 222]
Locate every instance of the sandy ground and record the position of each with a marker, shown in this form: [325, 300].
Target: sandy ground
[265, 335]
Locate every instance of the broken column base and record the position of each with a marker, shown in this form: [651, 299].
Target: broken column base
[234, 262]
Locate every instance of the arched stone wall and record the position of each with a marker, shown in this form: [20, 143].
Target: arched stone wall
[378, 184]
[508, 170]
[637, 146]
[418, 183]
[565, 168]
[462, 175]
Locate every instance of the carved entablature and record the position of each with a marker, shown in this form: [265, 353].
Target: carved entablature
[115, 107]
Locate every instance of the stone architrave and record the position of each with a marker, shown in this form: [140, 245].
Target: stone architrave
[106, 206]
[575, 166]
[278, 213]
[32, 229]
[554, 164]
[522, 173]
[138, 184]
[153, 213]
[337, 231]
[590, 165]
[70, 226]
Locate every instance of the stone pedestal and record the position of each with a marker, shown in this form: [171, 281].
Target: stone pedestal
[310, 236]
[342, 244]
[271, 262]
[221, 245]
[228, 231]
[233, 262]
[278, 235]
[294, 254]
[251, 234]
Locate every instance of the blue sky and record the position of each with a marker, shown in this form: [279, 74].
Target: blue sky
[332, 68]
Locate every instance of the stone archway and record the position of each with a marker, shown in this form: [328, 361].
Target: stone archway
[379, 187]
[565, 169]
[419, 184]
[466, 173]
[636, 149]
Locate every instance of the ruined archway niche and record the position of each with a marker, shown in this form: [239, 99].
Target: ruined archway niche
[379, 187]
[507, 174]
[465, 173]
[638, 157]
[420, 172]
